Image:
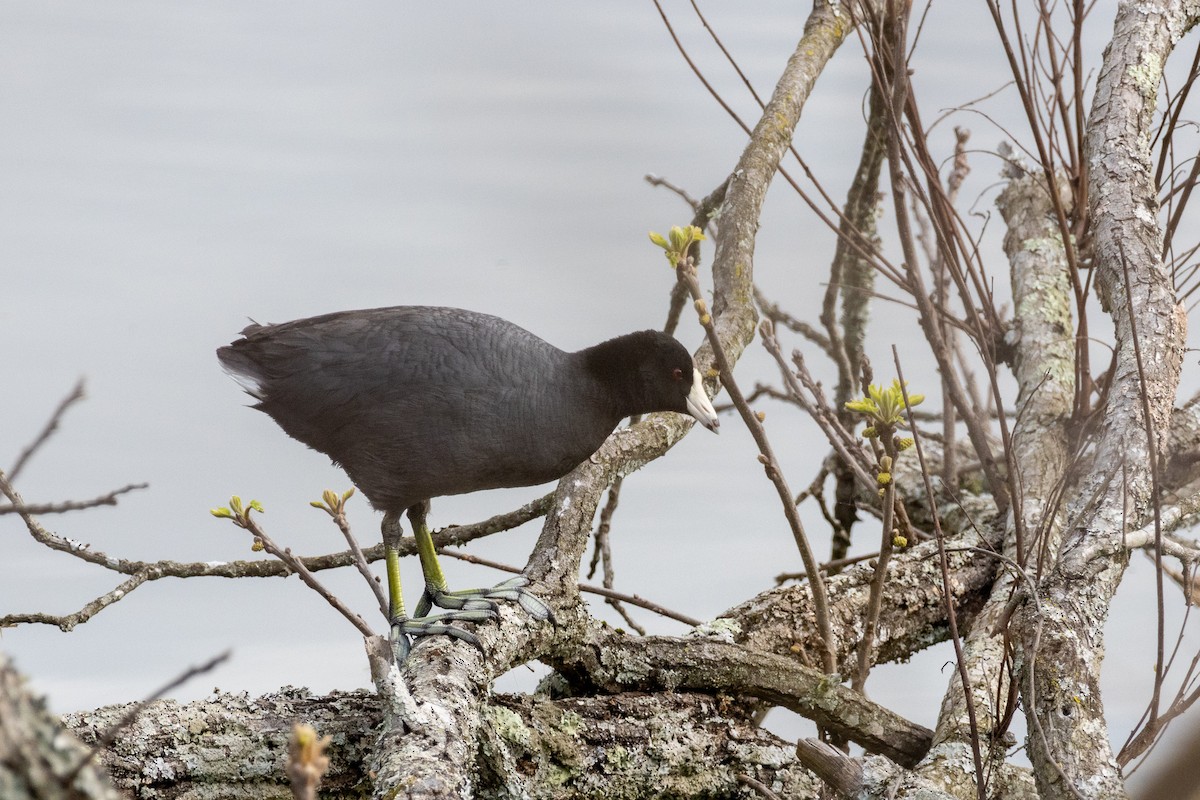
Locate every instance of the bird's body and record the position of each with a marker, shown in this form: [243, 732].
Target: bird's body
[419, 402]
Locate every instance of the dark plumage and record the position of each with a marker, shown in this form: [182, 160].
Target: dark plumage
[419, 402]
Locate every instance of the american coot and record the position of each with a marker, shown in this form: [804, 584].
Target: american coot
[418, 402]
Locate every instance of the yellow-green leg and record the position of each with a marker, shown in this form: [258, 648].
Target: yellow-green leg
[464, 601]
[396, 613]
[401, 626]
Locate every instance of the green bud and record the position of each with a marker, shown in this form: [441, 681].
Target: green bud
[678, 239]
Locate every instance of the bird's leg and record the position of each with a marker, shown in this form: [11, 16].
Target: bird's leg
[392, 534]
[437, 592]
[401, 626]
[391, 556]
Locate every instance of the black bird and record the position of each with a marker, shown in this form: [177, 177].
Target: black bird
[419, 402]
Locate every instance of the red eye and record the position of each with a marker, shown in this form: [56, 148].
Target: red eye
[677, 374]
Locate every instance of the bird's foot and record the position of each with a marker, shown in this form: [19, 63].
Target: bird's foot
[471, 599]
[438, 624]
[465, 605]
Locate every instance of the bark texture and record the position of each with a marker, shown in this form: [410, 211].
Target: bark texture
[1061, 631]
[673, 717]
[38, 760]
[625, 745]
[1044, 364]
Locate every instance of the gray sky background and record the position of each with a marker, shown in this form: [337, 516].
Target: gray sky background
[168, 170]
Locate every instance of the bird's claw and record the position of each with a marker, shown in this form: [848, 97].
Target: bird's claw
[512, 589]
[468, 605]
[531, 604]
[402, 629]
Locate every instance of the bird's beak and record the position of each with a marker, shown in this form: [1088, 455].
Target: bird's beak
[699, 406]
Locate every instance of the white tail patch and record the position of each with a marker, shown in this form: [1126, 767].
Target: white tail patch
[249, 383]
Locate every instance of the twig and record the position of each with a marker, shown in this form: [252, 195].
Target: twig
[141, 572]
[828, 566]
[757, 786]
[266, 568]
[951, 614]
[297, 565]
[334, 505]
[51, 426]
[631, 599]
[841, 439]
[1155, 487]
[780, 317]
[110, 735]
[603, 550]
[687, 273]
[657, 180]
[360, 561]
[875, 596]
[109, 499]
[67, 623]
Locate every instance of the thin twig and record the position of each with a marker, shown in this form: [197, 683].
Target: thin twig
[1155, 488]
[297, 565]
[828, 566]
[360, 561]
[631, 599]
[110, 735]
[879, 578]
[947, 589]
[757, 786]
[687, 274]
[51, 426]
[68, 622]
[109, 499]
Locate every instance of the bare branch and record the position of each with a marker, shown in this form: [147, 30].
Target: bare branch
[1071, 753]
[73, 397]
[109, 499]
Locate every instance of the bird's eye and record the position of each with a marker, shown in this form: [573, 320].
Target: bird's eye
[677, 374]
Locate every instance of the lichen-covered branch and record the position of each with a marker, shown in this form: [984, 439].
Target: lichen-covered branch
[913, 616]
[615, 662]
[1045, 371]
[1062, 644]
[36, 759]
[628, 745]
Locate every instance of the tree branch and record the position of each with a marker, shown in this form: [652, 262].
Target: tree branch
[1062, 651]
